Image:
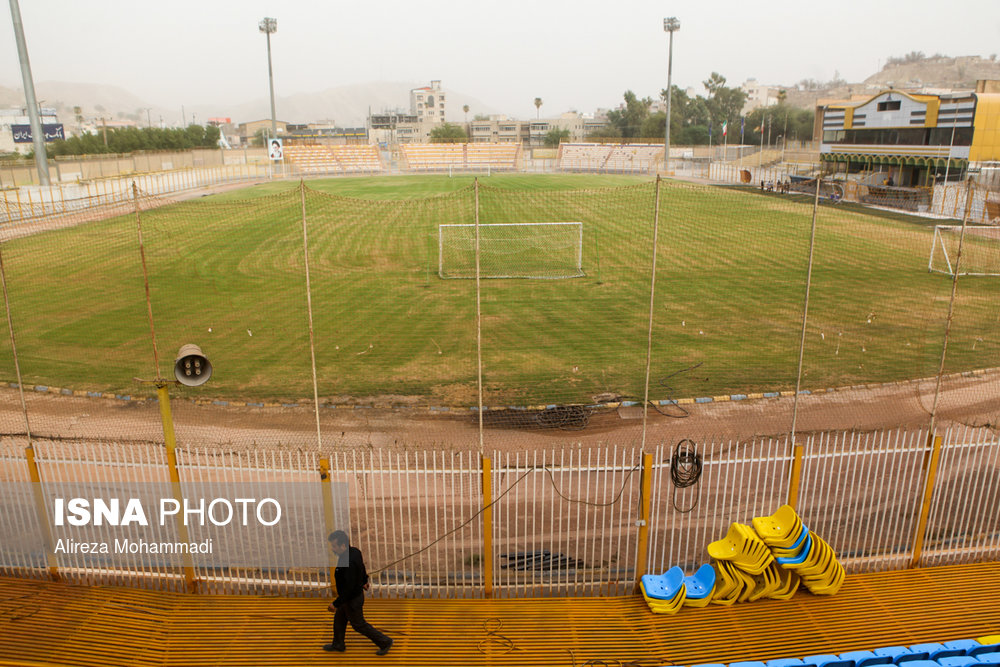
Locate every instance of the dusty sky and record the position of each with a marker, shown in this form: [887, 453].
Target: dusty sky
[574, 55]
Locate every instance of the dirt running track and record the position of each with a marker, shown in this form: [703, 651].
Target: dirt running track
[971, 401]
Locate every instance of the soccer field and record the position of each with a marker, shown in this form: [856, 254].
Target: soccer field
[228, 272]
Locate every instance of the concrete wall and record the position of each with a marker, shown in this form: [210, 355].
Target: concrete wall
[71, 169]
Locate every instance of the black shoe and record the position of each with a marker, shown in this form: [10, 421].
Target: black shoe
[384, 649]
[333, 646]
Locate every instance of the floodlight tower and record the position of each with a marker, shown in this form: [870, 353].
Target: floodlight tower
[268, 26]
[37, 133]
[670, 25]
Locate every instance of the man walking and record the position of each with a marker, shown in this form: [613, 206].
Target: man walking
[352, 582]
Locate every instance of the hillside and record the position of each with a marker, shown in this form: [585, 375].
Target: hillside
[346, 106]
[937, 72]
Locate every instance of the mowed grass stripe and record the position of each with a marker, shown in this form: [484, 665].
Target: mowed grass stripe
[730, 286]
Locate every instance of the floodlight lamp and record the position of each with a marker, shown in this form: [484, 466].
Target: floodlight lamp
[268, 25]
[671, 24]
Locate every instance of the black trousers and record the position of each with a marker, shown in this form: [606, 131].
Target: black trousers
[352, 612]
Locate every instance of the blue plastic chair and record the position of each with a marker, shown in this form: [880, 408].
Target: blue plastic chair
[751, 663]
[964, 644]
[797, 560]
[827, 660]
[891, 651]
[992, 658]
[919, 662]
[700, 584]
[784, 662]
[956, 660]
[865, 658]
[977, 651]
[663, 586]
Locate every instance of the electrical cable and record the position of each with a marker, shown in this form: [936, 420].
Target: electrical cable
[685, 470]
[510, 488]
[493, 636]
[668, 390]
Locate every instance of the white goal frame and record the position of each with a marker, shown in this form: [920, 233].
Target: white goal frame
[577, 269]
[939, 245]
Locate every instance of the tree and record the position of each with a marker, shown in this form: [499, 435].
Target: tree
[538, 106]
[555, 136]
[714, 83]
[448, 133]
[465, 108]
[131, 139]
[628, 120]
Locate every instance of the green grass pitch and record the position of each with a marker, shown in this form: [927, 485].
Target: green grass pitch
[228, 272]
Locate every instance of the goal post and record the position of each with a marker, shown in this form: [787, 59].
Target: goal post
[980, 250]
[530, 250]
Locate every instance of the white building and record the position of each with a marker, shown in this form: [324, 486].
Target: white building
[758, 95]
[13, 121]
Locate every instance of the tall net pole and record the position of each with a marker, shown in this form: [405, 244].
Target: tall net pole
[309, 309]
[479, 323]
[652, 295]
[951, 305]
[145, 279]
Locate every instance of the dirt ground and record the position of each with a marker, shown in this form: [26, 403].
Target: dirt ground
[969, 401]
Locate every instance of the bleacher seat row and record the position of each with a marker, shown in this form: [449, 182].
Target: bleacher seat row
[342, 159]
[462, 157]
[610, 158]
[955, 653]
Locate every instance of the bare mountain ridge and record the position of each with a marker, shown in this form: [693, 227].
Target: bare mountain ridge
[347, 106]
[942, 72]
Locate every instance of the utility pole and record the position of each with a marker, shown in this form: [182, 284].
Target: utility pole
[37, 133]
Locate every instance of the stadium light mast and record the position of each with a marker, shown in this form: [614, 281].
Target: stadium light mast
[268, 26]
[37, 133]
[670, 25]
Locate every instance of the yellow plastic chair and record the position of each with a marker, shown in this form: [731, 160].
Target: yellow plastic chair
[780, 529]
[736, 586]
[789, 584]
[671, 606]
[828, 584]
[765, 583]
[742, 547]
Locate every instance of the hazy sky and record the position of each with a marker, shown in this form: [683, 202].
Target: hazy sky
[574, 55]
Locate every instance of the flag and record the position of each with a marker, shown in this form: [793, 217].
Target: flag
[725, 127]
[743, 126]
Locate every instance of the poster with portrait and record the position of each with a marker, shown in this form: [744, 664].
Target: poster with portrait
[275, 149]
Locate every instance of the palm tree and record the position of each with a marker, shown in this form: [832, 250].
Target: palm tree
[465, 108]
[538, 105]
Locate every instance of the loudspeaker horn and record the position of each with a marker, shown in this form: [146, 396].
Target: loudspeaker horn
[192, 368]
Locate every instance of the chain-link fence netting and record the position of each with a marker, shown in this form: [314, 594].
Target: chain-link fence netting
[284, 284]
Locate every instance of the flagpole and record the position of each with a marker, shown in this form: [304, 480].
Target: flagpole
[742, 128]
[725, 142]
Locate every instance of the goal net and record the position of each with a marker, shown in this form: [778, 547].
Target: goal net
[534, 250]
[980, 251]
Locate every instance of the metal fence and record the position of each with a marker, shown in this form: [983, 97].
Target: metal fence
[454, 524]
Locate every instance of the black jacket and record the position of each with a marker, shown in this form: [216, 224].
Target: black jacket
[351, 578]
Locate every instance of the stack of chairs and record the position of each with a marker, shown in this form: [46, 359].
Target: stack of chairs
[664, 593]
[770, 560]
[749, 566]
[797, 548]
